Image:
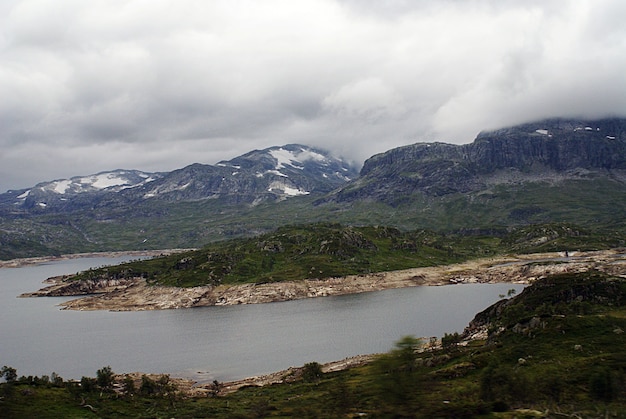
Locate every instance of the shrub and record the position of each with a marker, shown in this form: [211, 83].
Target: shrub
[312, 371]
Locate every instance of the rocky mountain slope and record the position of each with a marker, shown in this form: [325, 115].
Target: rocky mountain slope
[78, 191]
[547, 151]
[271, 174]
[551, 171]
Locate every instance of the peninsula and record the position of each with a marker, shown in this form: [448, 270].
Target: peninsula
[136, 294]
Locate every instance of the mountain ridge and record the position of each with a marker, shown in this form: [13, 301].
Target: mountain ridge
[557, 148]
[550, 171]
[274, 173]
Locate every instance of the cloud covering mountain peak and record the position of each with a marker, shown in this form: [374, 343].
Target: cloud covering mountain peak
[89, 86]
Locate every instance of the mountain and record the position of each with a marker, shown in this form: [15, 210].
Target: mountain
[66, 194]
[188, 207]
[272, 174]
[549, 151]
[563, 171]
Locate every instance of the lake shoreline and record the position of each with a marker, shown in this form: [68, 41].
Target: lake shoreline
[38, 260]
[136, 295]
[510, 268]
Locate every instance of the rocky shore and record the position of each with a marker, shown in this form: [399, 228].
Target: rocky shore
[18, 263]
[135, 294]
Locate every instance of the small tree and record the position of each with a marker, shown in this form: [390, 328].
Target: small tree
[129, 386]
[216, 387]
[148, 386]
[56, 379]
[398, 382]
[312, 371]
[341, 396]
[450, 340]
[104, 377]
[88, 384]
[9, 374]
[405, 352]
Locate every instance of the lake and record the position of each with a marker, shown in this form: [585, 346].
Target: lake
[223, 343]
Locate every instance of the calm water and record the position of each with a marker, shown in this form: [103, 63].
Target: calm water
[222, 343]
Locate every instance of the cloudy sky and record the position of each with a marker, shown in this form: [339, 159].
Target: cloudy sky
[88, 86]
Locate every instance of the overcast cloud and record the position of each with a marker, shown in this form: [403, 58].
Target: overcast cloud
[87, 86]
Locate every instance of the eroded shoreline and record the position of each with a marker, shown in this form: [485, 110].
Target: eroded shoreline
[507, 269]
[136, 295]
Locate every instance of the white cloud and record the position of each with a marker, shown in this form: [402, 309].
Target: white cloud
[158, 84]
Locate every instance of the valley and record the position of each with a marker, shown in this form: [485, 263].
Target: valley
[541, 204]
[543, 172]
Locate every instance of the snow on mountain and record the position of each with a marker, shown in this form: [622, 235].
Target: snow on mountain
[272, 174]
[61, 191]
[295, 158]
[285, 189]
[114, 181]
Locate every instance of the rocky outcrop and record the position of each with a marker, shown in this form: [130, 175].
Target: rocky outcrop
[538, 151]
[137, 295]
[62, 287]
[597, 282]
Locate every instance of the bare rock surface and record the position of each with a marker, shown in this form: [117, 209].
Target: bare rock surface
[135, 294]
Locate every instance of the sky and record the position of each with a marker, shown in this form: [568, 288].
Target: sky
[155, 85]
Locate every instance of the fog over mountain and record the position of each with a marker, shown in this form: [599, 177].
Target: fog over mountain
[154, 86]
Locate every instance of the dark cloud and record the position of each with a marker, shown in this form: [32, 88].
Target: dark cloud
[89, 86]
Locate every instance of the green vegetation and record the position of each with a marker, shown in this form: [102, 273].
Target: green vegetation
[599, 202]
[554, 350]
[328, 250]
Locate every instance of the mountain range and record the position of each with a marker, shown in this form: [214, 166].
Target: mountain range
[545, 151]
[556, 170]
[273, 174]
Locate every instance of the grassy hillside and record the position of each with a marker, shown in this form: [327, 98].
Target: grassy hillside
[295, 252]
[327, 250]
[555, 350]
[597, 203]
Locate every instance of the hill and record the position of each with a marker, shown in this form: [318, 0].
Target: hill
[551, 171]
[188, 207]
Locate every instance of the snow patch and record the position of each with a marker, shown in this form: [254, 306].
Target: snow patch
[42, 204]
[106, 180]
[542, 131]
[62, 186]
[294, 192]
[274, 172]
[281, 186]
[98, 181]
[295, 159]
[24, 195]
